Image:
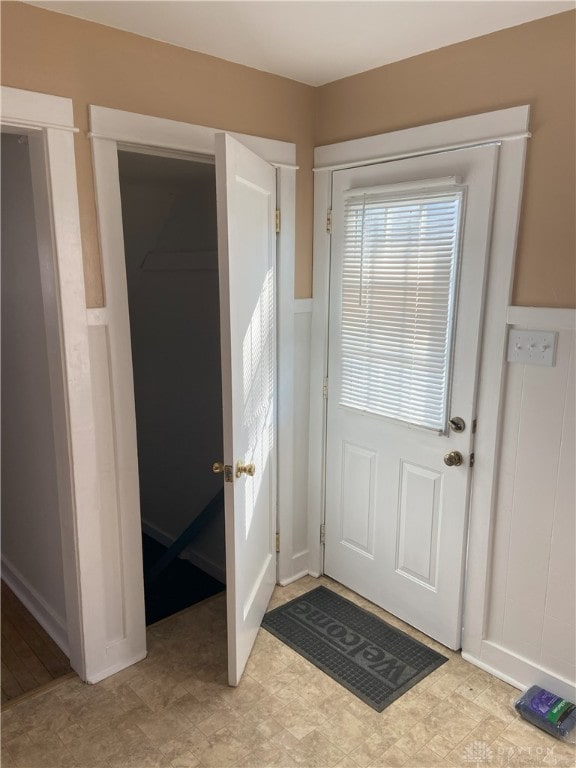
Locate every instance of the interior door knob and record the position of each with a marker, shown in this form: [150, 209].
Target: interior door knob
[453, 459]
[218, 467]
[247, 469]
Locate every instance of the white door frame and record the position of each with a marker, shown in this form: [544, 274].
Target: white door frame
[112, 360]
[48, 122]
[510, 127]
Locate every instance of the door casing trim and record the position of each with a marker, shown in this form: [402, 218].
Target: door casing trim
[510, 126]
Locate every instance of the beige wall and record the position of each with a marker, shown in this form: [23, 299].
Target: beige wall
[92, 64]
[530, 64]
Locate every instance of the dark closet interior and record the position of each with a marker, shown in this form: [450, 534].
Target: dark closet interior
[170, 238]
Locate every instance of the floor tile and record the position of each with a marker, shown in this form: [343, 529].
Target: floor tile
[175, 710]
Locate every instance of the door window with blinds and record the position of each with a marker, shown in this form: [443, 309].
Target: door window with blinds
[399, 288]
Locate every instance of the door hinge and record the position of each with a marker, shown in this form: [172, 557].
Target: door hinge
[325, 388]
[277, 542]
[329, 222]
[474, 426]
[472, 459]
[323, 533]
[277, 221]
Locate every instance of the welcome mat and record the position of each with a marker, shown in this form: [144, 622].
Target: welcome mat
[373, 660]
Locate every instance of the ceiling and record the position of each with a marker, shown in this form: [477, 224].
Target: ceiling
[312, 41]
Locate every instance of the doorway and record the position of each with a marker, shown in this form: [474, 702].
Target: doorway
[170, 245]
[250, 189]
[508, 131]
[35, 638]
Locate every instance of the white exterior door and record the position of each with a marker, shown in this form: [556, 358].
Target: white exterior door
[409, 260]
[246, 197]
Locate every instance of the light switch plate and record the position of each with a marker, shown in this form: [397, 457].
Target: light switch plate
[532, 347]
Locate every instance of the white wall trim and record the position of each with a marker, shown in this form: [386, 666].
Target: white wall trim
[495, 659]
[119, 126]
[292, 579]
[286, 203]
[511, 124]
[302, 305]
[48, 619]
[51, 119]
[543, 318]
[419, 152]
[97, 316]
[468, 131]
[108, 128]
[36, 110]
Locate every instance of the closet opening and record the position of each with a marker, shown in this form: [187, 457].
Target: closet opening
[170, 244]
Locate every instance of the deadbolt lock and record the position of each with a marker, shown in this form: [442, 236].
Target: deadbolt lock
[457, 424]
[453, 459]
[247, 469]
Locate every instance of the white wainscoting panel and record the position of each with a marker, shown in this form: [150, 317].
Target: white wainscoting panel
[106, 452]
[301, 388]
[531, 630]
[124, 608]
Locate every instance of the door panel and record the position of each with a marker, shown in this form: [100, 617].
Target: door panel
[395, 512]
[246, 197]
[417, 523]
[358, 475]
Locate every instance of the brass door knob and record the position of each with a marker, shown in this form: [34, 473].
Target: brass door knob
[247, 469]
[218, 467]
[453, 459]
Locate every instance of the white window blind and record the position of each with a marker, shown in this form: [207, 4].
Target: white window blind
[399, 271]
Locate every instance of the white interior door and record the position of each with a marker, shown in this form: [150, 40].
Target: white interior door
[408, 266]
[246, 198]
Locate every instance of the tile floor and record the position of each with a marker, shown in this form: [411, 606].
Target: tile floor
[175, 710]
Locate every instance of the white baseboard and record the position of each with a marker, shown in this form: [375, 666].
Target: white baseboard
[519, 672]
[195, 557]
[292, 579]
[44, 614]
[104, 673]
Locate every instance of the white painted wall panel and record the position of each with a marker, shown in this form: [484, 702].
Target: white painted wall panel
[106, 454]
[531, 621]
[302, 328]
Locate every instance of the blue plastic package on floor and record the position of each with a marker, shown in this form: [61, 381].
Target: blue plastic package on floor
[551, 713]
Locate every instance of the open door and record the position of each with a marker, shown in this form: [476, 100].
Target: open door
[246, 201]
